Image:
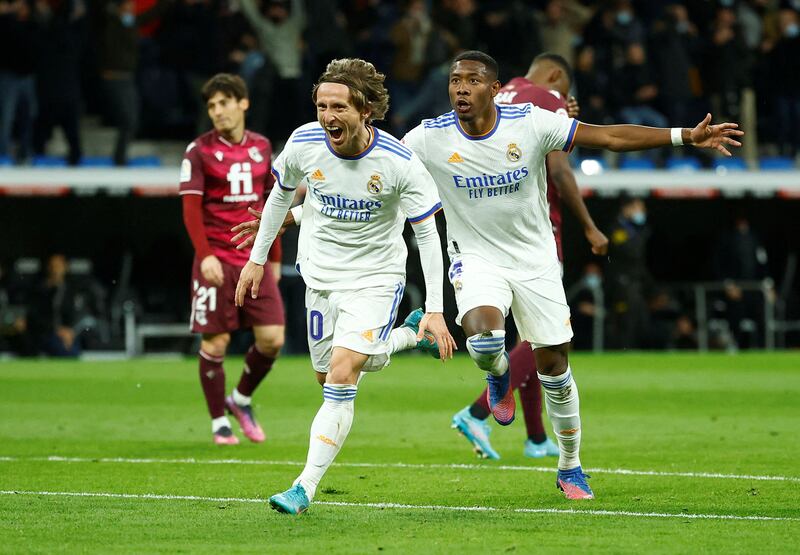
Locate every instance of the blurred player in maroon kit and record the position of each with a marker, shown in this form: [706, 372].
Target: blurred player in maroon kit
[223, 173]
[546, 85]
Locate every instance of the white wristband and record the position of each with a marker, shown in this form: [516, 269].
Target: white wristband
[677, 136]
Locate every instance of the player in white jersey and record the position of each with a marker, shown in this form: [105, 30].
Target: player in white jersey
[488, 162]
[362, 185]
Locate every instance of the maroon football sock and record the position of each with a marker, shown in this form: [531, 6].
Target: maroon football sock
[530, 397]
[522, 366]
[256, 367]
[212, 378]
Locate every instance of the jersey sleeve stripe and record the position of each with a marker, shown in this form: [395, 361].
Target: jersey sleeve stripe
[191, 192]
[394, 142]
[279, 181]
[571, 137]
[426, 215]
[320, 139]
[392, 148]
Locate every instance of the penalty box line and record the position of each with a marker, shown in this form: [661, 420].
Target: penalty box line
[404, 506]
[432, 466]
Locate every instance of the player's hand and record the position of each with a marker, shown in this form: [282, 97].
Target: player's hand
[716, 136]
[249, 279]
[433, 323]
[597, 240]
[573, 108]
[211, 268]
[247, 230]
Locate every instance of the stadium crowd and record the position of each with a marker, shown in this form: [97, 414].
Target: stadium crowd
[140, 63]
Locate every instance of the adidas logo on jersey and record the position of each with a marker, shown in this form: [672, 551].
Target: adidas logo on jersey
[455, 157]
[318, 175]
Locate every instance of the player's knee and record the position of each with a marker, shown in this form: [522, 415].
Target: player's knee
[215, 345]
[552, 361]
[270, 345]
[486, 348]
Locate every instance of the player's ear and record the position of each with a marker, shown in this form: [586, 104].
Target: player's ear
[244, 103]
[495, 88]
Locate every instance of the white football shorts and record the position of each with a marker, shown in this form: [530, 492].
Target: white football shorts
[538, 303]
[360, 320]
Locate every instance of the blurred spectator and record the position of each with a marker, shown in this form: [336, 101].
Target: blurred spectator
[118, 55]
[636, 90]
[326, 35]
[628, 281]
[740, 256]
[558, 22]
[727, 64]
[613, 27]
[60, 53]
[510, 32]
[18, 40]
[684, 335]
[674, 46]
[584, 305]
[410, 36]
[783, 59]
[592, 87]
[51, 312]
[458, 18]
[279, 25]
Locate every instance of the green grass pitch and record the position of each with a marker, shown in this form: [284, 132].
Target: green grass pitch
[688, 454]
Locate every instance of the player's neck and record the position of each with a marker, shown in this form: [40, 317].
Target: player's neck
[359, 143]
[482, 124]
[234, 136]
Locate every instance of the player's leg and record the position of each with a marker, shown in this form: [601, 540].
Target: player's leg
[486, 344]
[524, 378]
[257, 363]
[348, 332]
[563, 407]
[542, 315]
[212, 380]
[265, 315]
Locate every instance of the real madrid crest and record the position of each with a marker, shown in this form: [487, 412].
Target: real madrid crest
[513, 153]
[374, 185]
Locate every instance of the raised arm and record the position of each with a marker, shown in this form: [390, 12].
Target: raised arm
[623, 138]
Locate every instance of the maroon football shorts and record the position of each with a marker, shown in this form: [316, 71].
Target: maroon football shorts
[214, 310]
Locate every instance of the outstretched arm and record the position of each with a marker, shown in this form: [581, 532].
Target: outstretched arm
[622, 138]
[561, 173]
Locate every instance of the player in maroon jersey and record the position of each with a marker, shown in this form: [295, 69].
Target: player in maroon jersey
[546, 85]
[223, 173]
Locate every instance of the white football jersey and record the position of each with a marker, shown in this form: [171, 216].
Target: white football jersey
[494, 187]
[351, 235]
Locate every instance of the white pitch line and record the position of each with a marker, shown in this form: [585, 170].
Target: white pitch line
[433, 466]
[589, 512]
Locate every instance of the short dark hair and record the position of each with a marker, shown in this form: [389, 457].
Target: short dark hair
[365, 84]
[226, 83]
[478, 56]
[558, 60]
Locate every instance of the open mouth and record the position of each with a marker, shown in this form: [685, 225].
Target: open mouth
[335, 132]
[462, 105]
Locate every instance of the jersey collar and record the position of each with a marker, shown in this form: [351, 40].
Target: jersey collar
[373, 139]
[485, 135]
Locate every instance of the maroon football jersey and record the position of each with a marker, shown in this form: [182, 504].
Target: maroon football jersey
[518, 91]
[231, 178]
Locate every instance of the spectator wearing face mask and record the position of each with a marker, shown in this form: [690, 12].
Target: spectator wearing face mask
[628, 281]
[118, 55]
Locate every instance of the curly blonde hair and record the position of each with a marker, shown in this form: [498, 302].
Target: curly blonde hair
[365, 84]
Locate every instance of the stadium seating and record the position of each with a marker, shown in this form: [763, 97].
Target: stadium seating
[97, 162]
[637, 164]
[729, 164]
[6, 161]
[773, 163]
[688, 163]
[145, 162]
[46, 161]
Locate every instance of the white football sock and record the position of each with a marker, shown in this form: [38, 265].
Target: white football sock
[402, 339]
[328, 432]
[488, 349]
[241, 400]
[221, 422]
[563, 408]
